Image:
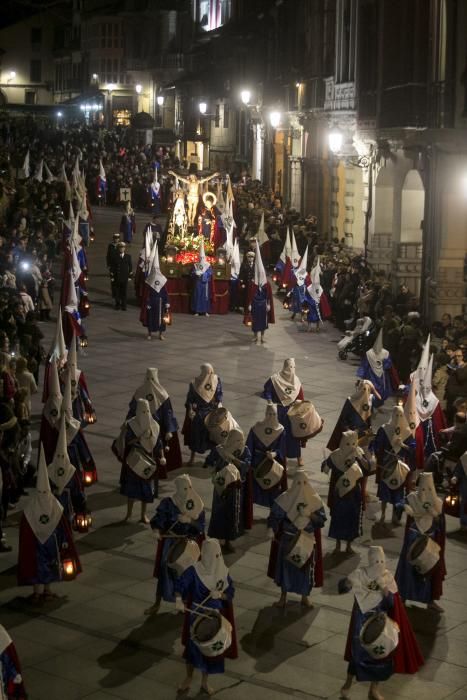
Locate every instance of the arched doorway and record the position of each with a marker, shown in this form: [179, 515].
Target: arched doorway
[409, 253]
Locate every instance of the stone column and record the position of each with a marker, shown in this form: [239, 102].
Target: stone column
[258, 152]
[296, 182]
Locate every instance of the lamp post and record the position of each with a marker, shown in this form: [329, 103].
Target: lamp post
[11, 76]
[160, 109]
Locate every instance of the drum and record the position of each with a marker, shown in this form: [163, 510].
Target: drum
[226, 477]
[141, 463]
[395, 475]
[423, 554]
[219, 422]
[304, 420]
[379, 636]
[268, 473]
[182, 554]
[212, 634]
[301, 548]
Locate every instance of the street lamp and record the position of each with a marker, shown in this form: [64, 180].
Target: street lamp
[160, 100]
[59, 114]
[245, 96]
[203, 107]
[139, 88]
[275, 119]
[335, 140]
[11, 76]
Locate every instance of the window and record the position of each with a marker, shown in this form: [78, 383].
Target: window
[36, 35]
[217, 118]
[35, 71]
[29, 97]
[226, 116]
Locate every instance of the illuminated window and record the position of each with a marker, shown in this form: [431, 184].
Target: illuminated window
[212, 14]
[121, 117]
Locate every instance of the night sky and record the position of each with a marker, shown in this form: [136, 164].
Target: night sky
[14, 10]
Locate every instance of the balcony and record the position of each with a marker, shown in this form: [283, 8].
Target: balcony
[404, 106]
[339, 96]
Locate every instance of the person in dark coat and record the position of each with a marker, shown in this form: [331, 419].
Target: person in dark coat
[111, 257]
[120, 273]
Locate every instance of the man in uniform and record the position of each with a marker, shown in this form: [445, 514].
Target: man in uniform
[120, 273]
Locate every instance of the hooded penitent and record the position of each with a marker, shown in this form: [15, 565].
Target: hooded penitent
[211, 568]
[155, 278]
[187, 500]
[42, 511]
[315, 289]
[398, 429]
[144, 426]
[233, 446]
[269, 429]
[347, 452]
[377, 354]
[286, 383]
[151, 390]
[424, 504]
[203, 264]
[260, 272]
[72, 366]
[300, 501]
[58, 349]
[53, 405]
[61, 469]
[287, 249]
[362, 398]
[301, 273]
[235, 261]
[410, 408]
[205, 384]
[72, 425]
[294, 254]
[369, 582]
[426, 401]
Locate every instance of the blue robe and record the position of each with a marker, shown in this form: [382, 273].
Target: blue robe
[383, 384]
[192, 589]
[156, 303]
[362, 665]
[349, 419]
[346, 512]
[201, 295]
[127, 227]
[297, 298]
[80, 454]
[259, 312]
[258, 453]
[381, 446]
[131, 485]
[313, 314]
[461, 477]
[287, 576]
[47, 556]
[9, 671]
[195, 432]
[163, 415]
[72, 498]
[411, 584]
[165, 519]
[229, 512]
[293, 444]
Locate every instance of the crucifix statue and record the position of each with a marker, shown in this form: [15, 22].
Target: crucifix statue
[193, 183]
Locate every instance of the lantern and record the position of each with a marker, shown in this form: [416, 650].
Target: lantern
[284, 285]
[451, 504]
[83, 341]
[68, 569]
[171, 251]
[90, 416]
[89, 477]
[91, 235]
[249, 321]
[221, 256]
[274, 277]
[81, 522]
[167, 318]
[286, 304]
[86, 277]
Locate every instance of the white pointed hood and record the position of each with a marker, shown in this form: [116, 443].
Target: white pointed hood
[205, 384]
[315, 289]
[53, 405]
[144, 426]
[235, 261]
[42, 511]
[72, 299]
[102, 171]
[348, 451]
[294, 254]
[72, 366]
[61, 469]
[58, 351]
[5, 639]
[301, 272]
[152, 390]
[426, 400]
[260, 272]
[26, 166]
[268, 429]
[155, 279]
[261, 235]
[424, 504]
[38, 174]
[203, 264]
[369, 582]
[286, 383]
[287, 249]
[410, 408]
[211, 568]
[72, 425]
[377, 354]
[362, 398]
[300, 501]
[48, 175]
[187, 500]
[397, 429]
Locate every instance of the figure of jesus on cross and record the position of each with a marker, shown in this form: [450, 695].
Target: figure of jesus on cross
[193, 183]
